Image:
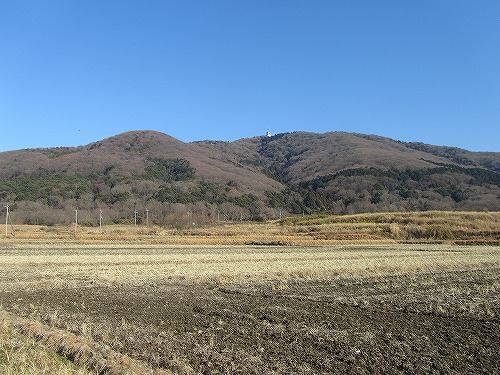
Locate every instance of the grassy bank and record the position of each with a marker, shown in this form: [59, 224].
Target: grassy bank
[22, 354]
[438, 226]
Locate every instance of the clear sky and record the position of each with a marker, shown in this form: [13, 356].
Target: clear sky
[74, 72]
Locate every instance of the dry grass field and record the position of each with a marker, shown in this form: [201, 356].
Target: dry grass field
[163, 301]
[397, 227]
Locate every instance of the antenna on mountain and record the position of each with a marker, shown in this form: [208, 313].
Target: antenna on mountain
[268, 134]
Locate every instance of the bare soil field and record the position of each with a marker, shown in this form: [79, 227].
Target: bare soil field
[385, 308]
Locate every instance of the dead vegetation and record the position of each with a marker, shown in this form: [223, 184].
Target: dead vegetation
[22, 353]
[418, 322]
[373, 294]
[53, 347]
[33, 267]
[428, 226]
[413, 227]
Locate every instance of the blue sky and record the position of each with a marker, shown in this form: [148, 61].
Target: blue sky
[74, 72]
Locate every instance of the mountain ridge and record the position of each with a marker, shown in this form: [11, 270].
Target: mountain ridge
[254, 178]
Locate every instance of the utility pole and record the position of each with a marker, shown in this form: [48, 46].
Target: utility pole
[76, 219]
[135, 217]
[147, 217]
[100, 221]
[6, 219]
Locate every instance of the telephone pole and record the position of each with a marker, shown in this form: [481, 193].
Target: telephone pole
[6, 219]
[100, 221]
[76, 219]
[147, 217]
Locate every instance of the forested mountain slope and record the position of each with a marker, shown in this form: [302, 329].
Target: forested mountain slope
[252, 178]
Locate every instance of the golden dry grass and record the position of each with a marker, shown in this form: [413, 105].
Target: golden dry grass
[432, 226]
[42, 267]
[22, 354]
[63, 265]
[437, 226]
[29, 347]
[324, 247]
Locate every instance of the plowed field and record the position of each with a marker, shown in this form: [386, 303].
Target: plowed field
[269, 310]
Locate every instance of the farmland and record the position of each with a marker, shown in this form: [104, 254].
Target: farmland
[381, 293]
[395, 227]
[261, 309]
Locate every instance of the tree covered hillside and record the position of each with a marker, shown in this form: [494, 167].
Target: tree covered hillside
[142, 174]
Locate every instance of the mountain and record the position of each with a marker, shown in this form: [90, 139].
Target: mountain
[253, 178]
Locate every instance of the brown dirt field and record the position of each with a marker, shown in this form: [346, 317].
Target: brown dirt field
[441, 318]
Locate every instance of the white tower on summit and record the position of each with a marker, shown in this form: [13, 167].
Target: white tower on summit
[268, 134]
